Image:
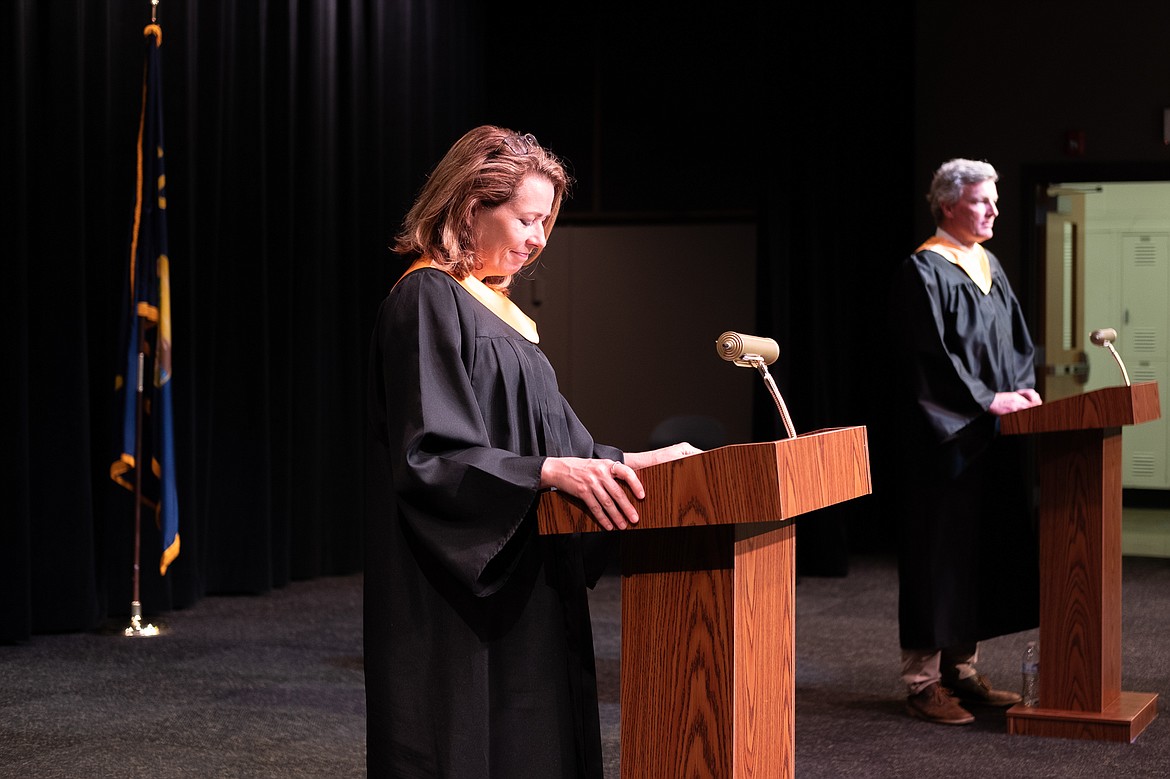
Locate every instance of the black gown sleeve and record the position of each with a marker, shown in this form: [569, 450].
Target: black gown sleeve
[461, 498]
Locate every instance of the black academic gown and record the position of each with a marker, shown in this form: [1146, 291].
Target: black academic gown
[478, 648]
[967, 552]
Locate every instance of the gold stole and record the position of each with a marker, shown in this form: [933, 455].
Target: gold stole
[499, 304]
[973, 261]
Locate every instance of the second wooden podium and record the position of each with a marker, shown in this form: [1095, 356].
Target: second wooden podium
[1079, 451]
[708, 602]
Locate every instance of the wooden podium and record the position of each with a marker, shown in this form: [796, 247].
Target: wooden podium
[708, 603]
[1079, 452]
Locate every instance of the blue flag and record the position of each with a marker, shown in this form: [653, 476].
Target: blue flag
[145, 401]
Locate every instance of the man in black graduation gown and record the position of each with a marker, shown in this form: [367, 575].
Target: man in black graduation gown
[967, 556]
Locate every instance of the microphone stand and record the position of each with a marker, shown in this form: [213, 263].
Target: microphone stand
[1105, 337]
[758, 363]
[1120, 364]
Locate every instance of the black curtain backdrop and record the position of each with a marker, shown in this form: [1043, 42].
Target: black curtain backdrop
[297, 133]
[836, 217]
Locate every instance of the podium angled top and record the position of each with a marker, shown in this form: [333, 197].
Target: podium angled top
[736, 484]
[1106, 407]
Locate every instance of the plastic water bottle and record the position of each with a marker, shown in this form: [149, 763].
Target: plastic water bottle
[1031, 670]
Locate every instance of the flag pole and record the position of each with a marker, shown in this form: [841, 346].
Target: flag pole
[136, 629]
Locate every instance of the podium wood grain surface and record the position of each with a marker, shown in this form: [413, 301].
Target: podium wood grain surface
[708, 608]
[1078, 442]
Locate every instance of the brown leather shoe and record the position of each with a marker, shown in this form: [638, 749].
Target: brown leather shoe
[976, 689]
[936, 704]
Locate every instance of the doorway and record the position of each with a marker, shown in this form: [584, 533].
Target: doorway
[1100, 258]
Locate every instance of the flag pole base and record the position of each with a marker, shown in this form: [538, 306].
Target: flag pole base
[136, 628]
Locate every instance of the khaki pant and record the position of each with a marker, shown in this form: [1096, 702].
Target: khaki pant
[923, 667]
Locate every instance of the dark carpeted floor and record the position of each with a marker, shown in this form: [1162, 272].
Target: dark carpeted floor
[267, 686]
[271, 686]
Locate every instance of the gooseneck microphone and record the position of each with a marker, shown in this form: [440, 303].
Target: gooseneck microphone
[739, 348]
[1105, 337]
[752, 351]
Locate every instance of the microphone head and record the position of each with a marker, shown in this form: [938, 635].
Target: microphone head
[733, 347]
[1103, 336]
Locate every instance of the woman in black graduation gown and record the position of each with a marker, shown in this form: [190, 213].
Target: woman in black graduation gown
[478, 647]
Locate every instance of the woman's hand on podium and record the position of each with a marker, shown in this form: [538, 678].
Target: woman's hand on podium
[595, 482]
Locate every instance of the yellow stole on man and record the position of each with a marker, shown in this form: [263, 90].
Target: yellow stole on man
[496, 302]
[972, 261]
